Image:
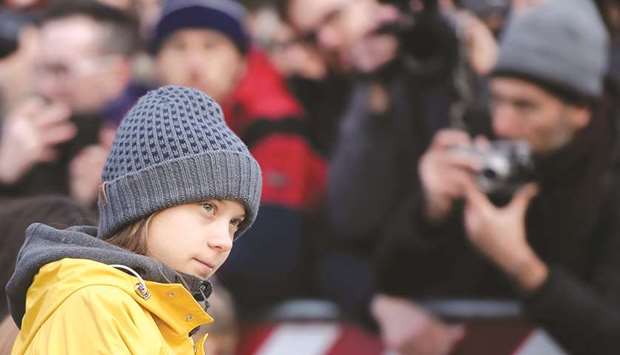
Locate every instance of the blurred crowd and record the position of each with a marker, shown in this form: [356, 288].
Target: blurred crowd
[375, 123]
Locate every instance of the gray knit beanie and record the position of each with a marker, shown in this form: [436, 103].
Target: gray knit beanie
[562, 43]
[172, 148]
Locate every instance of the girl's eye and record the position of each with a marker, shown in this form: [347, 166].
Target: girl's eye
[236, 222]
[209, 208]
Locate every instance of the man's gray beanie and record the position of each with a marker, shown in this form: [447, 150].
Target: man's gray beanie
[172, 148]
[562, 43]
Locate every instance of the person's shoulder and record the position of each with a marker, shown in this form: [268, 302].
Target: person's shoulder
[102, 295]
[73, 276]
[104, 319]
[108, 306]
[104, 302]
[80, 290]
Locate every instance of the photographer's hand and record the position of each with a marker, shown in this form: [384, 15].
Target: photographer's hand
[481, 46]
[444, 172]
[499, 234]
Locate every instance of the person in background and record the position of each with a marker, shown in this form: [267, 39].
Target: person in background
[389, 116]
[321, 90]
[551, 245]
[223, 334]
[99, 45]
[290, 55]
[204, 44]
[56, 141]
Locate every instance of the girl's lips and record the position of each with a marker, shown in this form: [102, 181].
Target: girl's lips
[209, 265]
[203, 269]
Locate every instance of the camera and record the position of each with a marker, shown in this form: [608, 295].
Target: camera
[506, 166]
[429, 46]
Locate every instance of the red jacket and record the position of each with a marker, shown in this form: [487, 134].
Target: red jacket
[268, 118]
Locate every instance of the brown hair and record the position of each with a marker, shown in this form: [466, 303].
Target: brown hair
[133, 237]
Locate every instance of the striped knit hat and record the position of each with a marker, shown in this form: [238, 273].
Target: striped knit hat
[173, 148]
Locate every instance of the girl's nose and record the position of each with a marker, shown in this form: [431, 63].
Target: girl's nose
[220, 237]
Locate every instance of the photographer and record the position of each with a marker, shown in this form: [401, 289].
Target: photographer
[554, 245]
[393, 81]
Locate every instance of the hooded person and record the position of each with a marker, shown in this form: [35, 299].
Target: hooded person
[178, 188]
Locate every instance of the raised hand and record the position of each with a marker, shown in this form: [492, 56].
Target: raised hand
[30, 135]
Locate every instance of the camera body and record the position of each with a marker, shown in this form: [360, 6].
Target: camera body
[429, 46]
[506, 166]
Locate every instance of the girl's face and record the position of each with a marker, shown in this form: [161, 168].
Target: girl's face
[195, 238]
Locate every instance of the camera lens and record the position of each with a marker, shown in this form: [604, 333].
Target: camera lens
[489, 174]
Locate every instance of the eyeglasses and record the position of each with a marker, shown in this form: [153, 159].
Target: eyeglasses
[63, 71]
[331, 19]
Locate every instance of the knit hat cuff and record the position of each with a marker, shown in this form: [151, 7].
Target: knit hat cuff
[224, 174]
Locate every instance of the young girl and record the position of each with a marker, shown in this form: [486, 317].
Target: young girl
[178, 187]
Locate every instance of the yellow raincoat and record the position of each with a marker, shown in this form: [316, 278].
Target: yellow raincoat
[80, 306]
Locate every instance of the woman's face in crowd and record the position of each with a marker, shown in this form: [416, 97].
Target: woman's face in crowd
[195, 238]
[203, 59]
